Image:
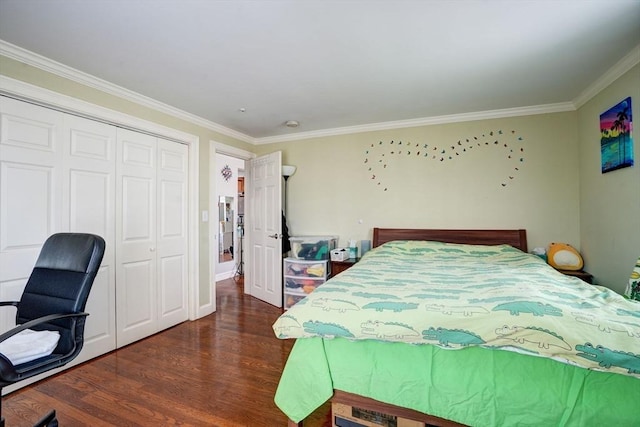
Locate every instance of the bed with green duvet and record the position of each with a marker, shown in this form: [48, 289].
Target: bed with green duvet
[481, 335]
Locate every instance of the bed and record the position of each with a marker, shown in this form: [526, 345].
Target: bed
[463, 327]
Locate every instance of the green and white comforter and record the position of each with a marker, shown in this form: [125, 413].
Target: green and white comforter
[455, 296]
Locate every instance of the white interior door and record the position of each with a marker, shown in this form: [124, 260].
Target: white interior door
[89, 207]
[136, 295]
[264, 224]
[171, 234]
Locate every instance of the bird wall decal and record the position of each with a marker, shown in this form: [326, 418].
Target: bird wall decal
[506, 143]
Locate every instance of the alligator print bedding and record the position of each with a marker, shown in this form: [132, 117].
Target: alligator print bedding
[425, 326]
[458, 296]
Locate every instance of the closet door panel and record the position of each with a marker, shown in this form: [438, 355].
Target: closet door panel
[30, 192]
[90, 204]
[139, 305]
[172, 298]
[26, 126]
[136, 293]
[89, 196]
[172, 233]
[28, 205]
[100, 329]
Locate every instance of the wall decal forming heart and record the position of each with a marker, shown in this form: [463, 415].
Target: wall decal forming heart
[509, 145]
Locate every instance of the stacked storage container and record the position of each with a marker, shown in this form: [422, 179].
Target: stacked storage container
[308, 266]
[302, 277]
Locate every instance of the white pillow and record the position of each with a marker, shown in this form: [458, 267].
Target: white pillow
[29, 345]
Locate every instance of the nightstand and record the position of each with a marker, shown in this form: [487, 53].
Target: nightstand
[340, 266]
[583, 275]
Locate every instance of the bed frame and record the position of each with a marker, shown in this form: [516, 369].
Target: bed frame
[515, 238]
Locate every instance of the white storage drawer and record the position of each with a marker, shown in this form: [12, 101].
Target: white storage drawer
[301, 277]
[301, 285]
[304, 268]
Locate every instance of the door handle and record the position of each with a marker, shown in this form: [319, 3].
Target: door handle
[275, 236]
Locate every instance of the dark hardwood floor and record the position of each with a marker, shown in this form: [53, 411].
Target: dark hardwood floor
[221, 370]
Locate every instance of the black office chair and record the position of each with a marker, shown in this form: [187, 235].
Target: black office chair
[54, 299]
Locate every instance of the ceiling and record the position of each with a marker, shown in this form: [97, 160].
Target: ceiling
[249, 66]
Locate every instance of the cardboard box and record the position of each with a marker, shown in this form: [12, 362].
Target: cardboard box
[351, 416]
[340, 254]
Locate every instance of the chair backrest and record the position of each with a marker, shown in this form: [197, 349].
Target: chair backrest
[60, 283]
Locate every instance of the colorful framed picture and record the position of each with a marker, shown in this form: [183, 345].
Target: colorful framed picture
[616, 141]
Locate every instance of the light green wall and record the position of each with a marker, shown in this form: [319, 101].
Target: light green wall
[609, 203]
[333, 187]
[558, 194]
[37, 77]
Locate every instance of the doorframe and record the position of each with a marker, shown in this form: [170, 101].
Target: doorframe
[228, 150]
[55, 100]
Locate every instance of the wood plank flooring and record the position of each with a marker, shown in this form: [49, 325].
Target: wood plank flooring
[221, 370]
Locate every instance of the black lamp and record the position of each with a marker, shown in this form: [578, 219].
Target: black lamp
[287, 171]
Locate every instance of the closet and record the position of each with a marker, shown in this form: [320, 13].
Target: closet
[61, 172]
[151, 233]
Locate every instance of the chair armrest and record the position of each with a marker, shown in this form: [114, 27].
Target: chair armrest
[34, 322]
[13, 303]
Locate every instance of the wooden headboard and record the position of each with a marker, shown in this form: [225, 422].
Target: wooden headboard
[515, 238]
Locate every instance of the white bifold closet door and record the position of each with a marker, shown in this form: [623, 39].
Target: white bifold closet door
[57, 173]
[151, 279]
[88, 193]
[60, 172]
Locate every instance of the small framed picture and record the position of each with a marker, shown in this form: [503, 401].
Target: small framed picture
[616, 141]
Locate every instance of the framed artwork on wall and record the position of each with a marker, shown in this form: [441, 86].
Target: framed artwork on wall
[616, 141]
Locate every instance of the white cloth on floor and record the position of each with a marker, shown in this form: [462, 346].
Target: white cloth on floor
[29, 345]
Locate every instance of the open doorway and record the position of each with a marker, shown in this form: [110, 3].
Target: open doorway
[261, 221]
[229, 216]
[234, 187]
[226, 234]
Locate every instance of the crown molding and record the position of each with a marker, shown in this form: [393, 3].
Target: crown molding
[37, 95]
[22, 55]
[426, 121]
[614, 73]
[30, 58]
